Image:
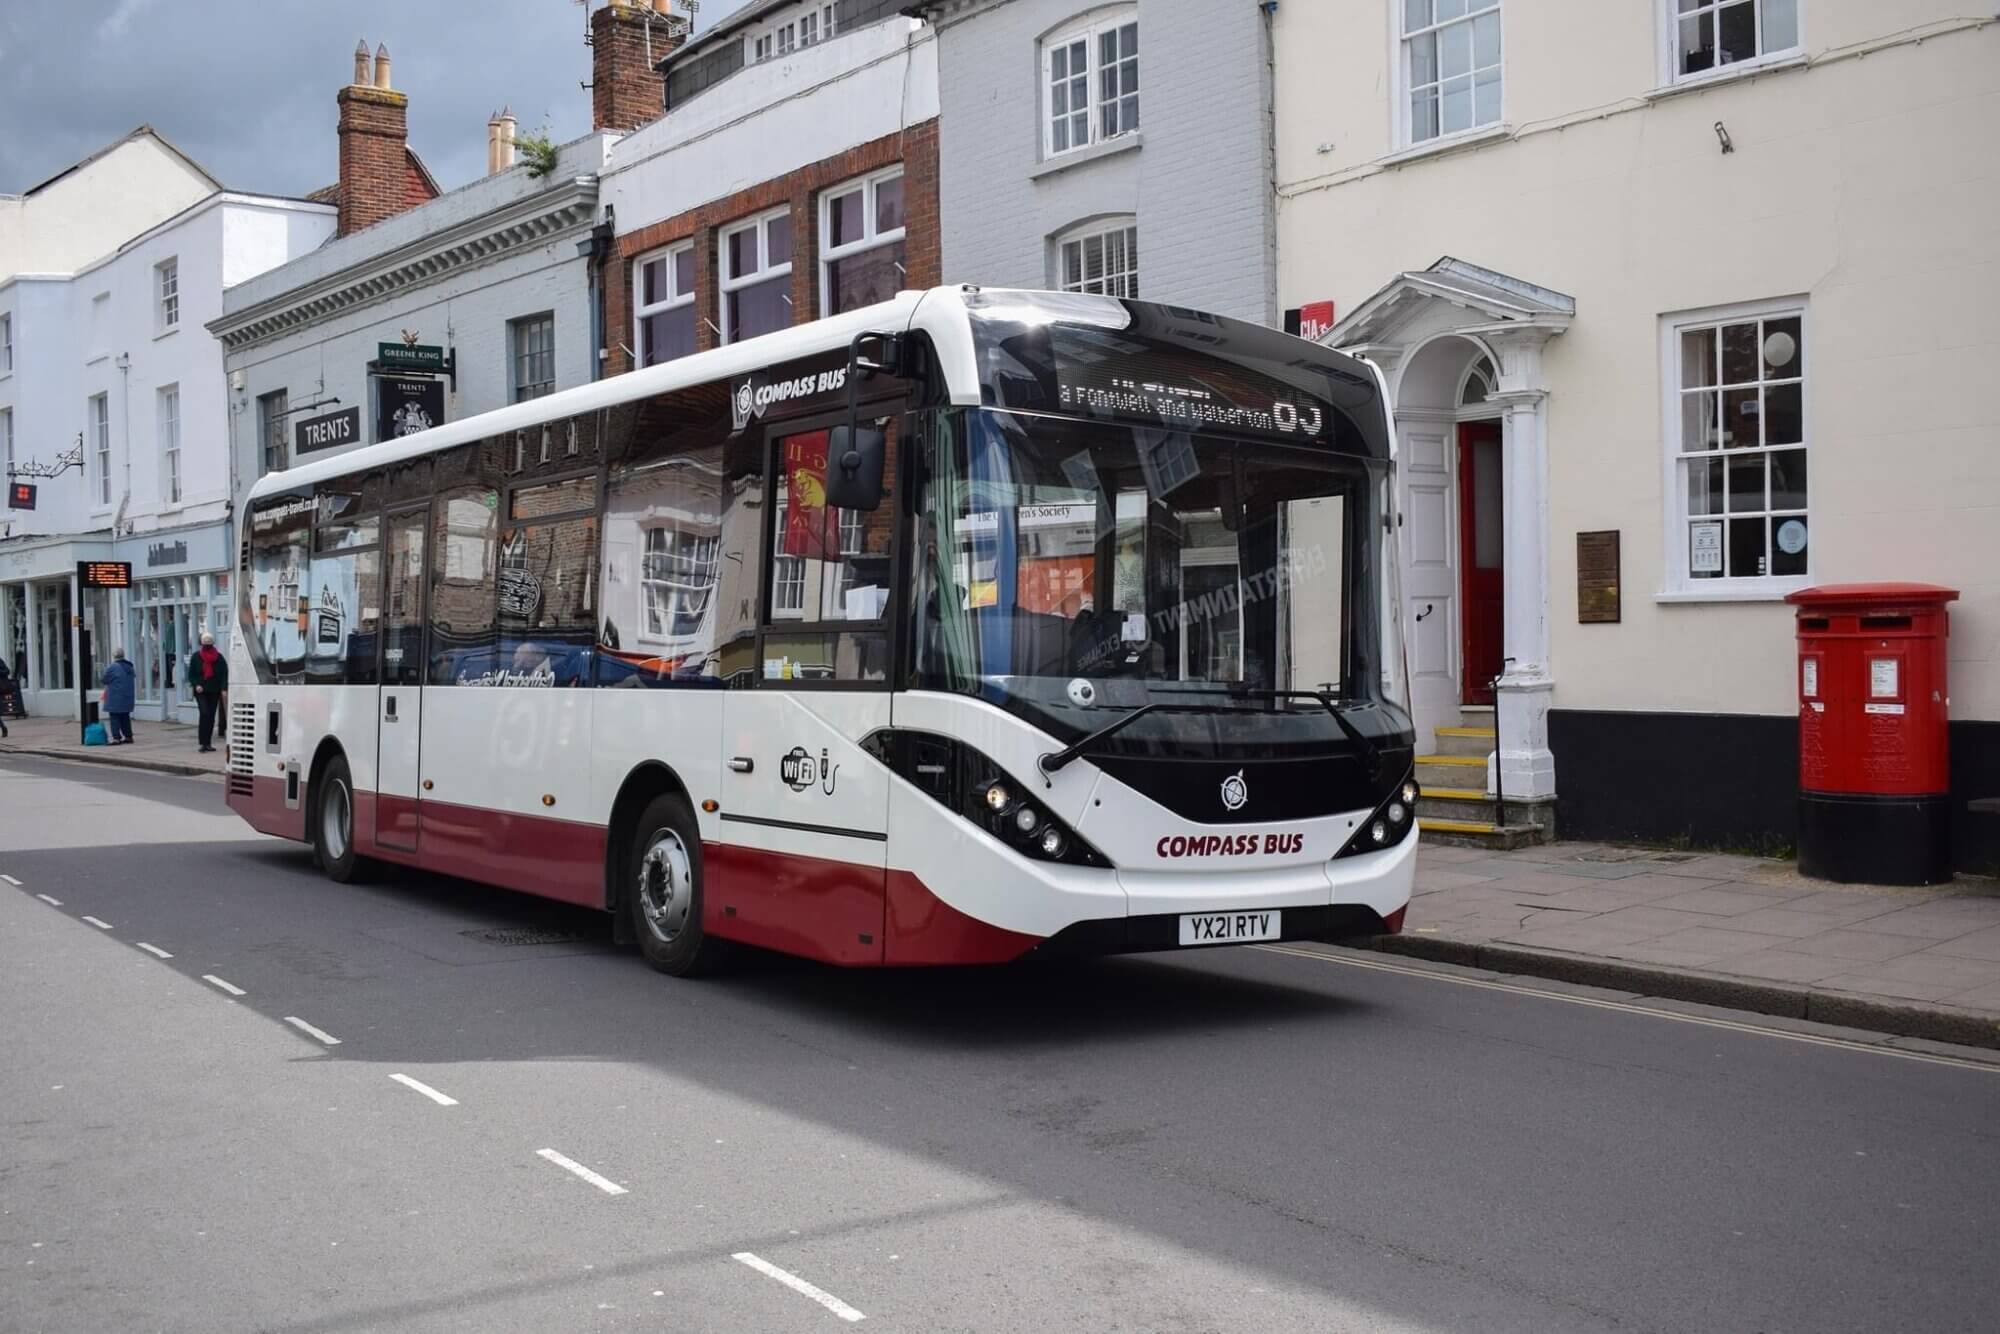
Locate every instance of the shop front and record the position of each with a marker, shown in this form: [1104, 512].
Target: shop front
[180, 588]
[42, 611]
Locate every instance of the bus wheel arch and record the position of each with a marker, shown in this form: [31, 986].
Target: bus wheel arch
[337, 856]
[641, 786]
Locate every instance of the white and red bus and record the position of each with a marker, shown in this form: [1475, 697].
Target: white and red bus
[969, 626]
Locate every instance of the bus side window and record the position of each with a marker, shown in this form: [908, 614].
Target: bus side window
[465, 524]
[548, 585]
[662, 561]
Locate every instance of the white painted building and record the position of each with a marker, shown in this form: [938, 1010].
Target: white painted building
[113, 407]
[483, 293]
[1718, 288]
[495, 273]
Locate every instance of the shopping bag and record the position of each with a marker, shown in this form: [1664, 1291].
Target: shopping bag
[94, 735]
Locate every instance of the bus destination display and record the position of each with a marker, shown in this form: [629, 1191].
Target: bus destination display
[1150, 384]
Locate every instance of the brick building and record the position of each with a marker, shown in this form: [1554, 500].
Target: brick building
[788, 170]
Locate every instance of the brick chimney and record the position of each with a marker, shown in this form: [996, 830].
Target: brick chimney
[375, 163]
[627, 38]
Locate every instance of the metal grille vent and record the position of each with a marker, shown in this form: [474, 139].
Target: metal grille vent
[242, 741]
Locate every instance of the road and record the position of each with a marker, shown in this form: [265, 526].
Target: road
[521, 1127]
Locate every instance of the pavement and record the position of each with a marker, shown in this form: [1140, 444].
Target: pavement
[237, 1096]
[159, 747]
[1746, 932]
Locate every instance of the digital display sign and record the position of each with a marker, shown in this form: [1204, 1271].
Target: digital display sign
[1128, 381]
[104, 573]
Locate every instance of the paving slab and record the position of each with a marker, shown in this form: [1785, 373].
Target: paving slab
[1848, 943]
[1981, 944]
[1723, 901]
[1716, 942]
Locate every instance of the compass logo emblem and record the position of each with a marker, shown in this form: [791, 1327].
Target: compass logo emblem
[1235, 792]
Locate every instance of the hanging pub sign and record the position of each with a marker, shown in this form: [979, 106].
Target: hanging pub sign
[406, 404]
[410, 356]
[330, 431]
[20, 495]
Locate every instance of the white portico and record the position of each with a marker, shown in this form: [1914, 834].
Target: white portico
[1461, 347]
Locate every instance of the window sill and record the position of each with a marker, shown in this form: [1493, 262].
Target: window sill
[1735, 590]
[1485, 134]
[1076, 157]
[1742, 69]
[166, 333]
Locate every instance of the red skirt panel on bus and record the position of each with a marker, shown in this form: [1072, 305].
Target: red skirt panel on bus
[810, 906]
[265, 810]
[558, 859]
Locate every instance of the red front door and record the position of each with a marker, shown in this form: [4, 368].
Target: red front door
[1480, 570]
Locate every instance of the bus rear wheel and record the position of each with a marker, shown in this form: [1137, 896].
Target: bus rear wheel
[663, 890]
[332, 820]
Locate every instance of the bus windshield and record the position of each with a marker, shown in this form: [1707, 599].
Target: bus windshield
[1070, 570]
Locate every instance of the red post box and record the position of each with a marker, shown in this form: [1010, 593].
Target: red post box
[1874, 771]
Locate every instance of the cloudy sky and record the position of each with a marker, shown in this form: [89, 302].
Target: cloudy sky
[246, 87]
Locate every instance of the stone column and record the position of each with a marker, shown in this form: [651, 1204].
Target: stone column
[1526, 768]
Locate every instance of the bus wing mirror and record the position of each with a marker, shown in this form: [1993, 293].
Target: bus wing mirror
[854, 457]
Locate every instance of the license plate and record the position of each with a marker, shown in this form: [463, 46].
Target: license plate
[1225, 928]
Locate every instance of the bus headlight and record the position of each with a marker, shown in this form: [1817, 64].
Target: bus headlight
[974, 788]
[1388, 824]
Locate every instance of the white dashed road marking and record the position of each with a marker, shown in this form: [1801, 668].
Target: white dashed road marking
[11, 880]
[52, 902]
[98, 922]
[605, 1184]
[155, 951]
[440, 1099]
[231, 988]
[306, 1028]
[799, 1285]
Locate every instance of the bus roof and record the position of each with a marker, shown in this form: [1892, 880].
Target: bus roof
[831, 334]
[947, 315]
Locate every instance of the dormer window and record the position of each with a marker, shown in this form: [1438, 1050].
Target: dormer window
[808, 29]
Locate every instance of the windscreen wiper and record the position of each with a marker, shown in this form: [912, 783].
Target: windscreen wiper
[1056, 759]
[1371, 754]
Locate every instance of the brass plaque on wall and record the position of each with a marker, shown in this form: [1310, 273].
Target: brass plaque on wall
[1597, 577]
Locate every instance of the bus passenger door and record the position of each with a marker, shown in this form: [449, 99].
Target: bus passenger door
[399, 716]
[801, 861]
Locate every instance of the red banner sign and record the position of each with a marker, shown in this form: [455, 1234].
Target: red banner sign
[805, 499]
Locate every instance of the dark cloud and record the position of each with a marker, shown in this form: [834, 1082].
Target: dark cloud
[246, 87]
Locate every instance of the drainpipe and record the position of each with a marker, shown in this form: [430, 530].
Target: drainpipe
[595, 249]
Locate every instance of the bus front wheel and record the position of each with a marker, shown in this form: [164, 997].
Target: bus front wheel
[663, 891]
[333, 824]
